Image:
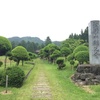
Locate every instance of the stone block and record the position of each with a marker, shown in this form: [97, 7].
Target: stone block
[94, 42]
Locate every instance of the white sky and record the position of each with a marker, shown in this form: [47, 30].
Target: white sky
[41, 18]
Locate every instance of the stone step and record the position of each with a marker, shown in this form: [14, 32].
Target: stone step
[41, 90]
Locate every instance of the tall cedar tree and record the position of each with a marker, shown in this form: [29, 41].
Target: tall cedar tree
[48, 41]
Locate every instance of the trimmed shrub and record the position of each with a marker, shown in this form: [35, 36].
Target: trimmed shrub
[31, 55]
[65, 51]
[55, 54]
[60, 62]
[82, 56]
[1, 63]
[70, 57]
[5, 45]
[15, 77]
[20, 53]
[80, 48]
[72, 62]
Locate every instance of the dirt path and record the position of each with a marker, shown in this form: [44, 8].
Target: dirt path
[41, 89]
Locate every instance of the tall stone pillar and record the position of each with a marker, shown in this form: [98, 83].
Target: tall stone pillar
[94, 42]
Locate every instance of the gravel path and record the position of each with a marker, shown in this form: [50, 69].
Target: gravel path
[41, 90]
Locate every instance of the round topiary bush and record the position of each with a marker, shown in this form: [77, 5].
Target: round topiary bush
[82, 56]
[5, 45]
[20, 53]
[60, 62]
[65, 51]
[72, 62]
[80, 48]
[15, 77]
[70, 57]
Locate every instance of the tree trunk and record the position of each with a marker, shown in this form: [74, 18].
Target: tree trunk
[18, 62]
[22, 62]
[5, 61]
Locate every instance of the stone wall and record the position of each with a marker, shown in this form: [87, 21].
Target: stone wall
[87, 75]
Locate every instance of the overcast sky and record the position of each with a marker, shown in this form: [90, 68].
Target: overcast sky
[41, 18]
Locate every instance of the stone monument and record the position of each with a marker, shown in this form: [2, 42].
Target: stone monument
[94, 42]
[89, 74]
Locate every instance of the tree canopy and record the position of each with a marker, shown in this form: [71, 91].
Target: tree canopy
[80, 48]
[5, 45]
[20, 53]
[83, 35]
[48, 41]
[82, 56]
[65, 51]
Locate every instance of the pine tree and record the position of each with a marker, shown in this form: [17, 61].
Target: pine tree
[48, 41]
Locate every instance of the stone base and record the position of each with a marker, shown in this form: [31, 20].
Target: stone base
[87, 75]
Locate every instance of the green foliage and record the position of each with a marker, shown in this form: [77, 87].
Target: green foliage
[72, 62]
[30, 43]
[42, 53]
[86, 44]
[82, 56]
[55, 54]
[83, 35]
[0, 75]
[80, 48]
[72, 43]
[9, 54]
[52, 47]
[65, 44]
[48, 41]
[65, 51]
[31, 46]
[1, 63]
[5, 45]
[70, 57]
[60, 62]
[20, 53]
[26, 39]
[15, 77]
[31, 55]
[24, 89]
[76, 64]
[48, 50]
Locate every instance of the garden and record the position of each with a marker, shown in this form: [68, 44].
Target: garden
[20, 71]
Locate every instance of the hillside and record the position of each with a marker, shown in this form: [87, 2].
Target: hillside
[31, 39]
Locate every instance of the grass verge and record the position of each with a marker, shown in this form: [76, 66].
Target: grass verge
[62, 86]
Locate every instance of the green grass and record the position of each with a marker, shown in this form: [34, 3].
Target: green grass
[62, 87]
[23, 93]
